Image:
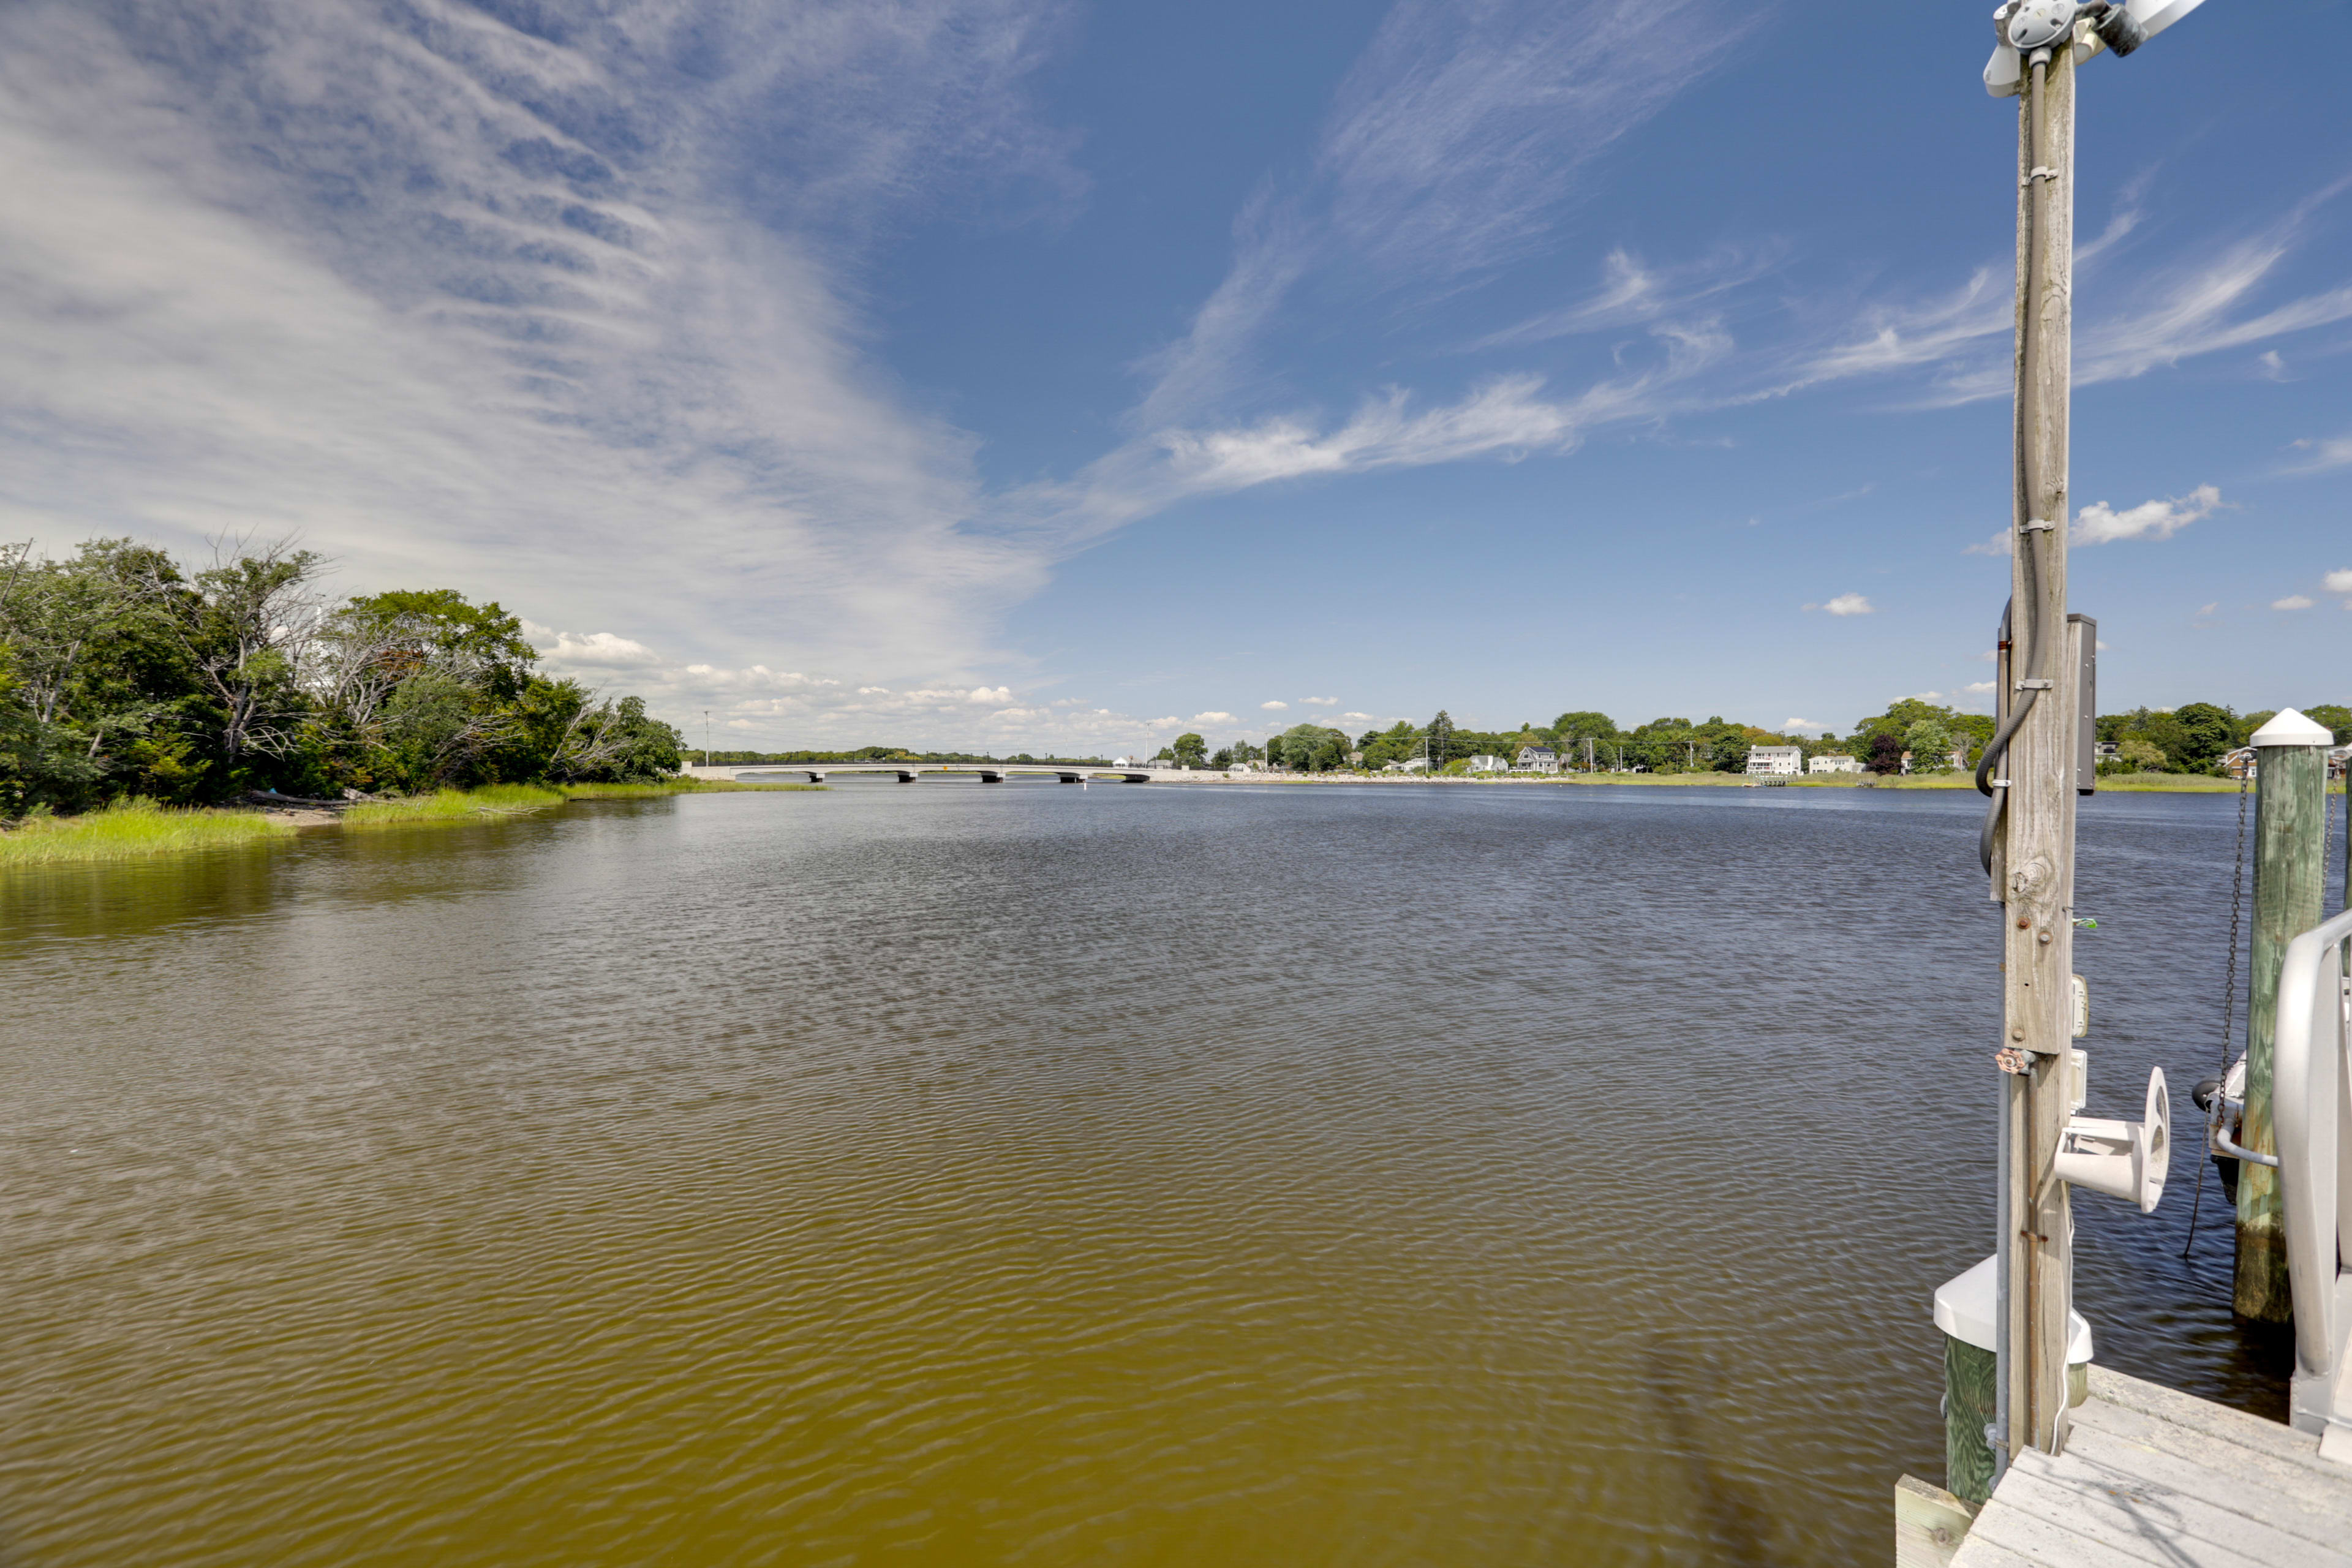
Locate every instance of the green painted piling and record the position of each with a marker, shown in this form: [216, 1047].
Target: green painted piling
[1970, 1390]
[2290, 882]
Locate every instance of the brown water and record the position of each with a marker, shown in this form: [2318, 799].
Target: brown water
[957, 1175]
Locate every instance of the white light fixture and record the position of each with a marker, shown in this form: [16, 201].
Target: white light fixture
[2021, 26]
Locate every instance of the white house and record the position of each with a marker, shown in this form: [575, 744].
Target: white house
[1832, 763]
[1410, 765]
[1535, 759]
[1484, 763]
[1783, 760]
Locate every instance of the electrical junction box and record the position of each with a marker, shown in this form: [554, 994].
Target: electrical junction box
[2082, 1009]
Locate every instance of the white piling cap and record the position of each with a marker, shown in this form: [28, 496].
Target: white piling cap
[2289, 728]
[1965, 1307]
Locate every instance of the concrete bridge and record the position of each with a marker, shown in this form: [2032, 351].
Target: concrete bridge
[908, 772]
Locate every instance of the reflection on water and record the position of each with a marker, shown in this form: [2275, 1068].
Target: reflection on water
[966, 1175]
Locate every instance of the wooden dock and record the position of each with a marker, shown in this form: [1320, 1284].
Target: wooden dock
[2149, 1476]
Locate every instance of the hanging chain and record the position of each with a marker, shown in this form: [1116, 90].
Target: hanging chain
[2230, 999]
[2237, 920]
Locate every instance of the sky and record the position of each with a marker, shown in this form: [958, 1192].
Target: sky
[1031, 376]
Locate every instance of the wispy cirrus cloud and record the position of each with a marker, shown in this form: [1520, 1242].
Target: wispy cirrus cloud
[529, 310]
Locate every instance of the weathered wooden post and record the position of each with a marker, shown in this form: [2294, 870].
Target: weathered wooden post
[2290, 897]
[2036, 859]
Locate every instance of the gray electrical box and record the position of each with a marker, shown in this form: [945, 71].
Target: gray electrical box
[2082, 633]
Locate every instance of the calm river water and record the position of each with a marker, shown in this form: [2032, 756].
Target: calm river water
[1029, 1174]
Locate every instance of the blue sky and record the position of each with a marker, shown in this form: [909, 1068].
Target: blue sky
[987, 373]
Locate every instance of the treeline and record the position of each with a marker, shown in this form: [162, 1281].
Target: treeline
[1911, 733]
[1582, 738]
[2194, 736]
[124, 675]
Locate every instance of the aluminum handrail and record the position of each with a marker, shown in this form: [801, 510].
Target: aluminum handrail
[2311, 1108]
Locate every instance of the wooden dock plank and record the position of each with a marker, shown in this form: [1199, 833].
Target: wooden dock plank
[2155, 1477]
[2218, 1422]
[2222, 1474]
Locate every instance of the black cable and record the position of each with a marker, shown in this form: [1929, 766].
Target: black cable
[2028, 685]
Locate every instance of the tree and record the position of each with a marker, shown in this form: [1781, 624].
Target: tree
[1930, 745]
[2138, 756]
[246, 624]
[1439, 734]
[1311, 748]
[1190, 750]
[1885, 755]
[1223, 758]
[2206, 730]
[1397, 744]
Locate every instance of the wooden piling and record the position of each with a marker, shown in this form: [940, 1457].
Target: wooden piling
[1971, 1395]
[2290, 895]
[2037, 852]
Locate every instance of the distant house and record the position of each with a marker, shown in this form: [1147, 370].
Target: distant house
[1536, 760]
[1781, 759]
[1242, 768]
[1128, 763]
[1833, 762]
[1410, 765]
[1484, 763]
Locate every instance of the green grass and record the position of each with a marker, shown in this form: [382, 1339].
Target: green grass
[668, 787]
[449, 806]
[132, 829]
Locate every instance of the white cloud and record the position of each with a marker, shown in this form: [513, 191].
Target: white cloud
[2340, 581]
[1168, 723]
[1634, 294]
[2293, 602]
[1984, 688]
[1787, 724]
[599, 650]
[1321, 702]
[1212, 718]
[1273, 707]
[496, 310]
[1847, 604]
[2325, 454]
[2100, 523]
[1358, 716]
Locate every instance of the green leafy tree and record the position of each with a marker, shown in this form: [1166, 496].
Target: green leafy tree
[1189, 751]
[1312, 748]
[2207, 731]
[1930, 745]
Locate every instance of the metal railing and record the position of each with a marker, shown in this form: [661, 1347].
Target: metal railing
[2312, 1111]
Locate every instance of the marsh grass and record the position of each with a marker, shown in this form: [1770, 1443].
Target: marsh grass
[452, 806]
[674, 786]
[131, 829]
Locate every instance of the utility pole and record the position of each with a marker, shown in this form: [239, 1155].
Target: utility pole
[2039, 743]
[706, 737]
[2035, 865]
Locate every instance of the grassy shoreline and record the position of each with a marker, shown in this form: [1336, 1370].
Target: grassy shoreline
[136, 829]
[131, 830]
